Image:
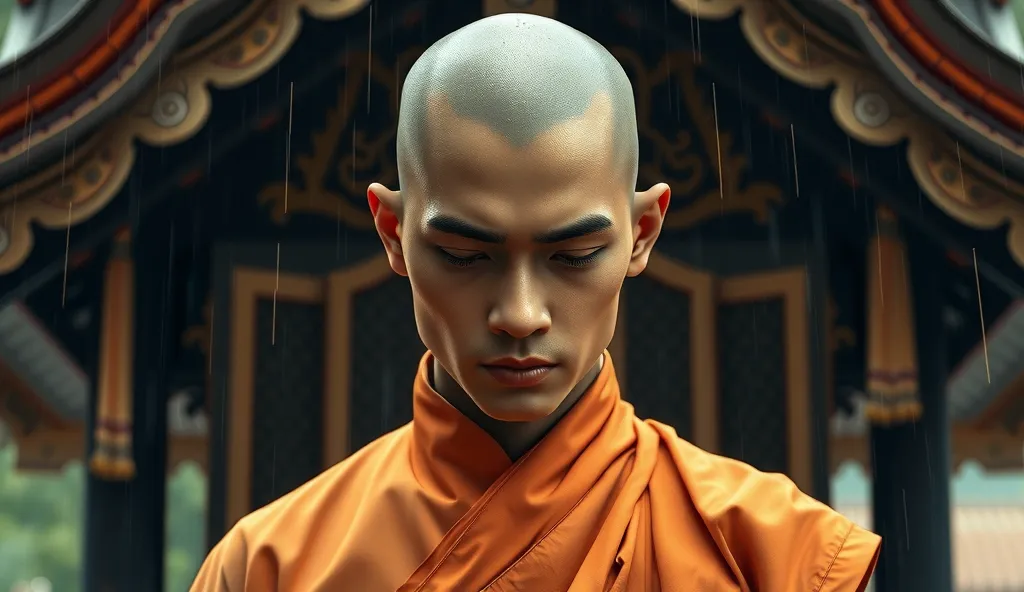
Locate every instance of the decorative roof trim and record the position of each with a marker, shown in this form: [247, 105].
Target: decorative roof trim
[904, 24]
[130, 20]
[864, 105]
[169, 112]
[915, 81]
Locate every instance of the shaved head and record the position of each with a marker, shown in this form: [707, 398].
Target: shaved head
[520, 75]
[518, 216]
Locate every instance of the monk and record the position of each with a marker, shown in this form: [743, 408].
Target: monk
[523, 469]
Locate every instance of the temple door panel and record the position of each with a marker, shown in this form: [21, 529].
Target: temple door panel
[664, 348]
[764, 372]
[722, 358]
[318, 361]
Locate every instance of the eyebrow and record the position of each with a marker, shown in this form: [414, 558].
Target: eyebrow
[585, 226]
[452, 225]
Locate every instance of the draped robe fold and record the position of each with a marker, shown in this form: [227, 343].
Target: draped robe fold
[605, 502]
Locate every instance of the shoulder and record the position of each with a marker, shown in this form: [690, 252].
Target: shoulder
[775, 536]
[292, 524]
[324, 495]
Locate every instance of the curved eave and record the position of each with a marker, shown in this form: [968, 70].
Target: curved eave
[976, 102]
[40, 365]
[110, 55]
[61, 195]
[989, 371]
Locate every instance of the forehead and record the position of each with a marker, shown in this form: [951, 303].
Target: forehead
[471, 170]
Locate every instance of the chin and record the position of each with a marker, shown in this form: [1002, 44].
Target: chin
[519, 406]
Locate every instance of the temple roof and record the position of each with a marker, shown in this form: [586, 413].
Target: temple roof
[988, 544]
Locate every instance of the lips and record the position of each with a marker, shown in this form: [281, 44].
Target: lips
[519, 372]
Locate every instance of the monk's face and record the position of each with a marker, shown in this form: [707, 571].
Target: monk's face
[516, 256]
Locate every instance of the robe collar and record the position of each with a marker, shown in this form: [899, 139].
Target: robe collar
[457, 459]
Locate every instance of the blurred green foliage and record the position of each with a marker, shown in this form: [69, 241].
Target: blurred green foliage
[41, 525]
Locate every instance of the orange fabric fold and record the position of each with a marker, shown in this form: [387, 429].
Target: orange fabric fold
[605, 502]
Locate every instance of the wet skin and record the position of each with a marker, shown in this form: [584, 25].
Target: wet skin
[516, 258]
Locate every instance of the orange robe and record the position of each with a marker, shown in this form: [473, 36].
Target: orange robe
[605, 502]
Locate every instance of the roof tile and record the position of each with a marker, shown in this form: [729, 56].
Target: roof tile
[988, 546]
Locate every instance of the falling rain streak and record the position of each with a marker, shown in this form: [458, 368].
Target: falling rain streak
[288, 144]
[67, 256]
[796, 169]
[981, 313]
[740, 247]
[718, 144]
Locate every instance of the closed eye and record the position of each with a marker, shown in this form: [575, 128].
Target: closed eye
[461, 258]
[578, 261]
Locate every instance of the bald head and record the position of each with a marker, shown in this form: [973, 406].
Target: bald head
[520, 75]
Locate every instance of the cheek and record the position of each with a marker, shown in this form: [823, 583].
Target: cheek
[441, 309]
[590, 304]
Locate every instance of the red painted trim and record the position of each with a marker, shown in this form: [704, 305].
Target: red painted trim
[1002, 103]
[83, 69]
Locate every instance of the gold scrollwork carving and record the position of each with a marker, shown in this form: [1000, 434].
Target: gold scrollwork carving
[311, 192]
[62, 196]
[968, 190]
[687, 161]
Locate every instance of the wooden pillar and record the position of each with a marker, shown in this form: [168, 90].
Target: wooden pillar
[125, 511]
[911, 453]
[105, 499]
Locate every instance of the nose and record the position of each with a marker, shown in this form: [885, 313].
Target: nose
[520, 310]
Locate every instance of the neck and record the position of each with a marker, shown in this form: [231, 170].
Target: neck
[514, 437]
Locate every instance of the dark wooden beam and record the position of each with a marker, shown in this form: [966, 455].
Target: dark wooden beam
[51, 249]
[818, 284]
[155, 342]
[125, 520]
[912, 462]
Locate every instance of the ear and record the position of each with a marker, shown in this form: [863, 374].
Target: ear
[649, 209]
[386, 209]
